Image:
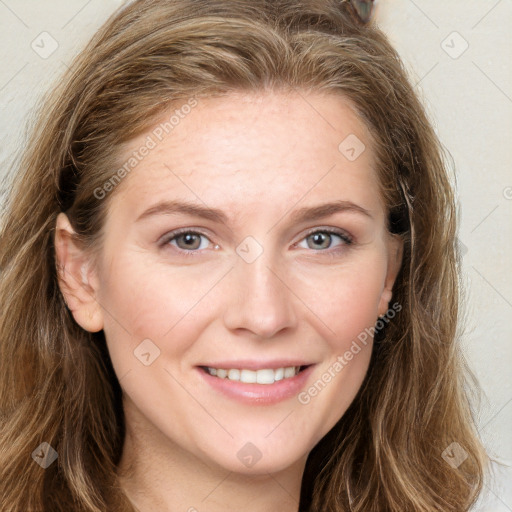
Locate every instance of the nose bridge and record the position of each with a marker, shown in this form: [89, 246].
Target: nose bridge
[262, 303]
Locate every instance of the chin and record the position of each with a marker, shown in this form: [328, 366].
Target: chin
[258, 458]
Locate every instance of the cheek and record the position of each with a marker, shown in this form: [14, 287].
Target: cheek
[345, 298]
[348, 309]
[149, 298]
[142, 302]
[352, 310]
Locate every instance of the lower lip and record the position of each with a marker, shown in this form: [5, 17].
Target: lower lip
[264, 394]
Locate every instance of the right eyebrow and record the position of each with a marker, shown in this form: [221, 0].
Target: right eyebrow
[173, 207]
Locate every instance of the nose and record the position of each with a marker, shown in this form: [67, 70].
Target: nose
[260, 301]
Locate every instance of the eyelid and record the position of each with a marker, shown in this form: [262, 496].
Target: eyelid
[167, 237]
[332, 230]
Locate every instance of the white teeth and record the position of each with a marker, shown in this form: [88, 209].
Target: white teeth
[264, 376]
[289, 371]
[248, 376]
[234, 374]
[279, 374]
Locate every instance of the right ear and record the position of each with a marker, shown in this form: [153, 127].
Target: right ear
[76, 276]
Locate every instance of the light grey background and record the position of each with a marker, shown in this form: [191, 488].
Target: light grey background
[459, 56]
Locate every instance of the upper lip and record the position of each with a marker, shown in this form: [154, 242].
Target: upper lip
[256, 365]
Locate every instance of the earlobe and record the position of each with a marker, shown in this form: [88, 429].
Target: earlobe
[395, 254]
[74, 271]
[385, 299]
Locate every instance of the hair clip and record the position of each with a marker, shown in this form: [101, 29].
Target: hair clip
[363, 9]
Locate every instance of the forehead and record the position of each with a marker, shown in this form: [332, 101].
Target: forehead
[261, 148]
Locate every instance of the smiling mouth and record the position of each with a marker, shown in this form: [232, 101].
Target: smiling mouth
[263, 376]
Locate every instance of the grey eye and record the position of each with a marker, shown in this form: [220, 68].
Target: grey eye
[188, 241]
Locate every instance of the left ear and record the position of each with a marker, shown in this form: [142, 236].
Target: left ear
[395, 245]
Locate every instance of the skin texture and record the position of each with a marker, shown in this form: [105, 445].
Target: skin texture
[258, 158]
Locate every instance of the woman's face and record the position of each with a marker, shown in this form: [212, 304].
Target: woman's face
[247, 240]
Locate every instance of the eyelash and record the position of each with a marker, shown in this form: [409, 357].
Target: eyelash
[345, 237]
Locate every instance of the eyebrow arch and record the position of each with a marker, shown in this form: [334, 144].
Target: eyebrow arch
[302, 215]
[324, 210]
[170, 207]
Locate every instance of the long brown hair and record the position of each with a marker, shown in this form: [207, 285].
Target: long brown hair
[57, 384]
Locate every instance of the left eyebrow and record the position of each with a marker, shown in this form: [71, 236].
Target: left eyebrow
[324, 210]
